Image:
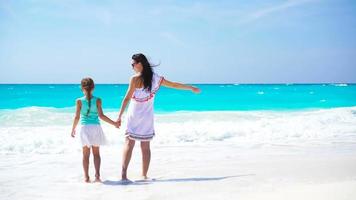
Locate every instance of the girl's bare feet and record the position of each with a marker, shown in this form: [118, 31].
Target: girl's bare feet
[87, 179]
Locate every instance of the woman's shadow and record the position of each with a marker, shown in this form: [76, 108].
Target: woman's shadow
[159, 180]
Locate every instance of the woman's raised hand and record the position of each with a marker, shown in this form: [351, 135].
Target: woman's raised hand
[195, 90]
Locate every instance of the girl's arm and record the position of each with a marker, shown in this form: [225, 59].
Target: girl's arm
[127, 98]
[179, 86]
[77, 116]
[101, 113]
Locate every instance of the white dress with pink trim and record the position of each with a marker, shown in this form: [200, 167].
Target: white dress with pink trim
[140, 118]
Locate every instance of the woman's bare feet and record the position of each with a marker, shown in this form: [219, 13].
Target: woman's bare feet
[123, 176]
[97, 180]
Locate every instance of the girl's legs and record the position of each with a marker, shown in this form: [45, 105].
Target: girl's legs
[128, 147]
[146, 157]
[86, 155]
[97, 161]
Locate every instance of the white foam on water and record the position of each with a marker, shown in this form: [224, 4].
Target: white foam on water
[36, 117]
[46, 130]
[340, 85]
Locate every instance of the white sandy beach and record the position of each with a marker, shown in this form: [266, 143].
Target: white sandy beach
[188, 172]
[216, 155]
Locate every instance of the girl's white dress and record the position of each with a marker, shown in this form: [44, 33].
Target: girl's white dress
[91, 133]
[140, 118]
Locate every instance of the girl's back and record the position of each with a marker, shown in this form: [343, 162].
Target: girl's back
[89, 114]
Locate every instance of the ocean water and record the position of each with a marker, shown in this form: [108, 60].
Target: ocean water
[38, 118]
[214, 97]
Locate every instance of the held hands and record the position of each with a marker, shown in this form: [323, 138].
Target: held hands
[73, 133]
[118, 123]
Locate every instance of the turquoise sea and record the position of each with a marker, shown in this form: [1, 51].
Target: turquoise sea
[38, 118]
[214, 97]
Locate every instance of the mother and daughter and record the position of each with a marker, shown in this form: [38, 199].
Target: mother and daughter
[140, 116]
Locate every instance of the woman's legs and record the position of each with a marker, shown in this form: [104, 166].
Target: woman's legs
[86, 155]
[129, 145]
[146, 157]
[97, 161]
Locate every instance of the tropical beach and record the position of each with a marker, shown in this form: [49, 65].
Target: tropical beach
[156, 100]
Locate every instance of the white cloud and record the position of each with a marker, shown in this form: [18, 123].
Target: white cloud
[265, 12]
[172, 38]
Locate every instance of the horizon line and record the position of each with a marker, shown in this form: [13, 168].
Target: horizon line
[244, 83]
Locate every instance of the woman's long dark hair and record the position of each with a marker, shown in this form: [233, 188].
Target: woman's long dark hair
[147, 71]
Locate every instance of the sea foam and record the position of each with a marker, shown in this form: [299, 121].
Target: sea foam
[47, 130]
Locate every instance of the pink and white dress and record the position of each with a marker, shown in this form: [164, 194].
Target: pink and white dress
[140, 118]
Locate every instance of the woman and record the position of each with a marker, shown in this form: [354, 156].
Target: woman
[140, 125]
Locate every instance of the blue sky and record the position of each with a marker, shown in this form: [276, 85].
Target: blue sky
[237, 41]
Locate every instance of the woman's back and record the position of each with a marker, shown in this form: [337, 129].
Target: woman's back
[143, 95]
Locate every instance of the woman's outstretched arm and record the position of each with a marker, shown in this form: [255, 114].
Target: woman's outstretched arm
[179, 86]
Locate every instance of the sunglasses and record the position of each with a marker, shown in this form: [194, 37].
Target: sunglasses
[133, 64]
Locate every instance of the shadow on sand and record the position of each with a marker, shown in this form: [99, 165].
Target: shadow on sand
[159, 180]
[125, 182]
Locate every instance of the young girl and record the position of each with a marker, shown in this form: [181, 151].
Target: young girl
[140, 120]
[88, 109]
